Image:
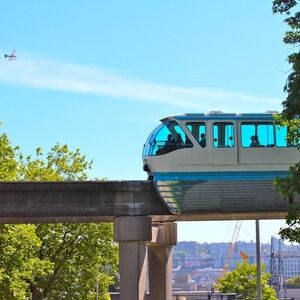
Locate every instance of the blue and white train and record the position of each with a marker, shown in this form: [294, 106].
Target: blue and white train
[225, 157]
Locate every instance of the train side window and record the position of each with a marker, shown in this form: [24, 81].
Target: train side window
[181, 138]
[281, 137]
[257, 134]
[198, 130]
[223, 135]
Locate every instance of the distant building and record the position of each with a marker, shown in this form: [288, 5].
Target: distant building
[184, 282]
[204, 262]
[291, 264]
[206, 278]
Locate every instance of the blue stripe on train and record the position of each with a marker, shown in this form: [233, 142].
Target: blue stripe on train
[196, 176]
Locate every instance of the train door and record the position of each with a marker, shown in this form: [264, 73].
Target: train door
[223, 143]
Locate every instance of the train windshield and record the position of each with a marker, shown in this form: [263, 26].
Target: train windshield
[166, 138]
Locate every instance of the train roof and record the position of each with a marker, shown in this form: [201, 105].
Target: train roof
[219, 115]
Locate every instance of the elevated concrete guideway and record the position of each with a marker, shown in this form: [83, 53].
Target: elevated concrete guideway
[77, 201]
[143, 226]
[91, 201]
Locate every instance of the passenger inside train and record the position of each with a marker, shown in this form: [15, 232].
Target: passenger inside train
[203, 140]
[170, 136]
[254, 141]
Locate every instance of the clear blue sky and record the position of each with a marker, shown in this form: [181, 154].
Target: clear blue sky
[99, 75]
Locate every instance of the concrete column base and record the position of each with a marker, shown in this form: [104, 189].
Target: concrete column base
[160, 272]
[133, 262]
[164, 236]
[132, 233]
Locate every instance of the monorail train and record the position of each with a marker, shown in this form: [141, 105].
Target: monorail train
[193, 158]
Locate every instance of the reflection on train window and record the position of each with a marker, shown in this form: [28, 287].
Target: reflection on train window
[168, 137]
[281, 137]
[223, 135]
[198, 131]
[257, 134]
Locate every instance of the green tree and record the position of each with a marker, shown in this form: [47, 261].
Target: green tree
[52, 261]
[79, 252]
[9, 165]
[294, 282]
[242, 281]
[290, 186]
[19, 261]
[291, 106]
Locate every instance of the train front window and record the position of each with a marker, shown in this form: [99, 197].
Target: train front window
[198, 131]
[167, 138]
[257, 134]
[223, 135]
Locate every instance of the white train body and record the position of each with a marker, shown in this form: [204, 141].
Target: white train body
[191, 156]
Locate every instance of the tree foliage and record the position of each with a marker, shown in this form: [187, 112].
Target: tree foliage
[290, 186]
[52, 261]
[294, 282]
[242, 281]
[291, 106]
[19, 261]
[292, 231]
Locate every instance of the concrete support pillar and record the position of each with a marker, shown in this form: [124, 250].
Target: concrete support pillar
[164, 236]
[160, 272]
[132, 266]
[132, 233]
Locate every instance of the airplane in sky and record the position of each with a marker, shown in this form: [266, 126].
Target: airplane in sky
[11, 56]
